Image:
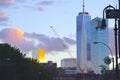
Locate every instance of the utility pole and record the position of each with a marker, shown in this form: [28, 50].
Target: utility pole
[119, 34]
[119, 27]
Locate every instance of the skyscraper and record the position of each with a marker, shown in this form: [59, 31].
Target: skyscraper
[87, 52]
[98, 51]
[89, 55]
[83, 53]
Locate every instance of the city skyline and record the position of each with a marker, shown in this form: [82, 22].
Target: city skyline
[26, 24]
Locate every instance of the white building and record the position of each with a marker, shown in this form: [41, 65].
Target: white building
[69, 62]
[69, 65]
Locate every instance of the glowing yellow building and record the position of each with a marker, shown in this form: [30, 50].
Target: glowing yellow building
[41, 56]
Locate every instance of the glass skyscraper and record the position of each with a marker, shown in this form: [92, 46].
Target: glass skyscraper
[83, 41]
[90, 56]
[98, 51]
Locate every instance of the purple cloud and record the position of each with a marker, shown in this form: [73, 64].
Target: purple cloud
[51, 43]
[47, 2]
[7, 2]
[69, 41]
[20, 0]
[16, 37]
[3, 16]
[43, 4]
[27, 42]
[39, 6]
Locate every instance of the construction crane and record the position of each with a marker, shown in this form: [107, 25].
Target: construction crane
[63, 44]
[61, 41]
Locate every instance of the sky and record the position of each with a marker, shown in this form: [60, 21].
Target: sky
[26, 24]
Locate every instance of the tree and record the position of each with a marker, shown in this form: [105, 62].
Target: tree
[15, 66]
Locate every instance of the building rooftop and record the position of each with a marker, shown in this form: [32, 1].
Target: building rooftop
[80, 13]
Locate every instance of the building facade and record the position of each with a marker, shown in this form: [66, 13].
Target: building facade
[98, 51]
[83, 41]
[90, 56]
[68, 63]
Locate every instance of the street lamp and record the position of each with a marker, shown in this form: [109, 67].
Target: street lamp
[110, 53]
[109, 50]
[112, 13]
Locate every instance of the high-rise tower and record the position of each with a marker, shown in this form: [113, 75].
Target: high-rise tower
[98, 51]
[89, 55]
[83, 44]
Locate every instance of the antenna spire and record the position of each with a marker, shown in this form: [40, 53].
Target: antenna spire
[83, 6]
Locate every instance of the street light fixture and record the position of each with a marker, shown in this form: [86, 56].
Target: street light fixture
[110, 13]
[109, 50]
[113, 13]
[107, 57]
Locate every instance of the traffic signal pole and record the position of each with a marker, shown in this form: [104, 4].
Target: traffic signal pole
[117, 67]
[116, 50]
[119, 28]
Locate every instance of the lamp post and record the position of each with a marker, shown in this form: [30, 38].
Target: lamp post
[119, 27]
[112, 13]
[110, 54]
[109, 50]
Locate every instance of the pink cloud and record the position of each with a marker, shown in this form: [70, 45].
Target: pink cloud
[27, 41]
[15, 37]
[7, 2]
[43, 4]
[51, 43]
[39, 6]
[3, 16]
[20, 0]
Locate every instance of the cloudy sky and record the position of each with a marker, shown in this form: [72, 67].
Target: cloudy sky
[26, 24]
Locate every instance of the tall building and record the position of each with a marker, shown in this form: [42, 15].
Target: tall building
[83, 42]
[35, 53]
[98, 51]
[89, 55]
[39, 55]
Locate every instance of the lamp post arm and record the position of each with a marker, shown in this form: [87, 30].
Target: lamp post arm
[109, 49]
[109, 6]
[106, 46]
[103, 25]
